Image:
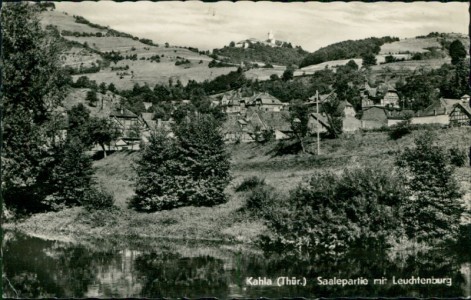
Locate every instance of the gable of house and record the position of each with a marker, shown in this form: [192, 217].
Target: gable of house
[460, 115]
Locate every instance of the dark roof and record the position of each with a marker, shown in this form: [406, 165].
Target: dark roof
[121, 112]
[265, 98]
[275, 120]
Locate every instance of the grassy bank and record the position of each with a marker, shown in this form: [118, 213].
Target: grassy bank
[227, 222]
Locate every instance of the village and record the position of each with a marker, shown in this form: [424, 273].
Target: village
[249, 119]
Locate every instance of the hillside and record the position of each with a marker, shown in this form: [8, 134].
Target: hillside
[92, 45]
[260, 53]
[346, 50]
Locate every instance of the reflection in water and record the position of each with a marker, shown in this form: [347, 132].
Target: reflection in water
[37, 268]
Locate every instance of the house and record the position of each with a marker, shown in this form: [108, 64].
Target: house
[315, 120]
[233, 103]
[383, 95]
[278, 122]
[236, 129]
[266, 102]
[374, 117]
[129, 125]
[461, 115]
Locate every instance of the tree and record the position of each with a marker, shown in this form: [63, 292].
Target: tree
[79, 117]
[288, 74]
[192, 169]
[298, 119]
[434, 210]
[102, 131]
[72, 177]
[368, 59]
[33, 84]
[457, 52]
[334, 115]
[91, 98]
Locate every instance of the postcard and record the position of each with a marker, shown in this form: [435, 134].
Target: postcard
[235, 150]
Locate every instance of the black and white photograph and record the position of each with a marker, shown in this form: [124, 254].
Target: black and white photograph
[235, 150]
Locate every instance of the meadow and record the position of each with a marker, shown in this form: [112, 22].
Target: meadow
[229, 222]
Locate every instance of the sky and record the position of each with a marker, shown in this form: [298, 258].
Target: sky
[309, 24]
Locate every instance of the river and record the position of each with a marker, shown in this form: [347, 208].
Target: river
[34, 267]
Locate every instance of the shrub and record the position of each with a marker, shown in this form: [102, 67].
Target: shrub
[97, 199]
[260, 199]
[458, 157]
[332, 212]
[250, 183]
[398, 131]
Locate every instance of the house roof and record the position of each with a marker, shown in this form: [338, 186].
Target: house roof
[322, 120]
[465, 108]
[122, 112]
[265, 99]
[275, 120]
[147, 116]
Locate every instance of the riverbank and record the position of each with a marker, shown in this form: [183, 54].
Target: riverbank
[228, 222]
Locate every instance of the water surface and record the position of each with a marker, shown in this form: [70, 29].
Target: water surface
[33, 267]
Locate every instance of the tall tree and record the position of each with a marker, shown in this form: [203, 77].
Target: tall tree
[298, 119]
[434, 209]
[457, 52]
[192, 169]
[33, 85]
[334, 113]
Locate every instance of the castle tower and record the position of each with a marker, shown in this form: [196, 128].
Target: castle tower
[271, 37]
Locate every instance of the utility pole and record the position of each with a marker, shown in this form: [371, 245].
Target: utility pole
[318, 124]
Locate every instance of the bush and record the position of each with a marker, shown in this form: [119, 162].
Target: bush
[250, 183]
[398, 131]
[458, 157]
[97, 199]
[260, 200]
[332, 212]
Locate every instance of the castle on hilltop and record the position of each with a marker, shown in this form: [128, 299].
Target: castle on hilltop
[270, 41]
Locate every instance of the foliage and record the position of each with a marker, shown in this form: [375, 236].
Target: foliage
[433, 211]
[250, 183]
[368, 59]
[97, 199]
[335, 114]
[332, 212]
[72, 177]
[346, 49]
[458, 156]
[298, 119]
[258, 52]
[192, 169]
[260, 199]
[457, 52]
[288, 74]
[91, 98]
[33, 84]
[401, 129]
[102, 132]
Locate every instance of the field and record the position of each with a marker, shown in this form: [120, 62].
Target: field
[228, 222]
[66, 22]
[409, 45]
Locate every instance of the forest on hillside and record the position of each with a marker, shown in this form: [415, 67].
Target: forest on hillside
[347, 49]
[284, 55]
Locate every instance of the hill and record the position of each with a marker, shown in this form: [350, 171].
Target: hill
[284, 55]
[122, 59]
[346, 50]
